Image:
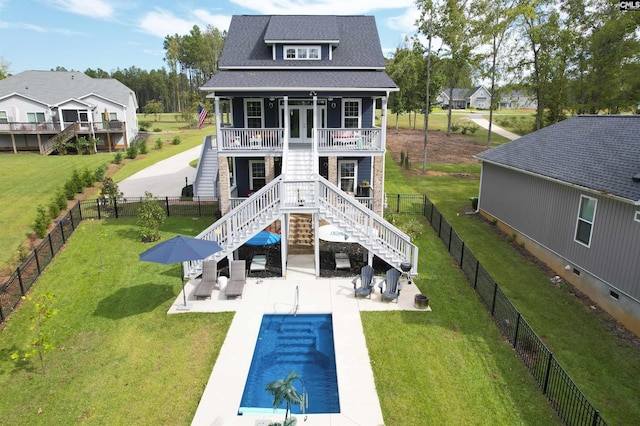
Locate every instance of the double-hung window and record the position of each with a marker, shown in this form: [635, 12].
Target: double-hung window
[3, 117]
[347, 178]
[253, 113]
[257, 174]
[351, 113]
[586, 218]
[35, 117]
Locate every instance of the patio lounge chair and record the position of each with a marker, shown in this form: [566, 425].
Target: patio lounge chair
[237, 278]
[208, 281]
[391, 286]
[258, 263]
[367, 282]
[342, 261]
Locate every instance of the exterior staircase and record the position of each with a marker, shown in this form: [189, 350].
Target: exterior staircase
[65, 135]
[207, 171]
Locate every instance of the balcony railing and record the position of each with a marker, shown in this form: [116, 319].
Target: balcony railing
[350, 139]
[333, 139]
[51, 127]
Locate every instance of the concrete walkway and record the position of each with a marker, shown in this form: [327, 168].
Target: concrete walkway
[165, 178]
[484, 123]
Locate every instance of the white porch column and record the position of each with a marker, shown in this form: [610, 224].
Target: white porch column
[216, 103]
[284, 242]
[314, 134]
[316, 242]
[285, 143]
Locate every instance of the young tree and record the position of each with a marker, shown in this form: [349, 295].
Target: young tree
[284, 390]
[150, 217]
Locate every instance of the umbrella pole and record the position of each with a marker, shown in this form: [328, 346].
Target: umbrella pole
[184, 293]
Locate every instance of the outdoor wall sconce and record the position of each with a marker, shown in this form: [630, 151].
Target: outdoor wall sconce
[333, 105]
[312, 93]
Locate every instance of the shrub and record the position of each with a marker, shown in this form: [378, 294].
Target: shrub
[144, 125]
[157, 129]
[88, 178]
[42, 222]
[455, 127]
[117, 159]
[176, 140]
[83, 145]
[158, 144]
[77, 181]
[143, 147]
[54, 208]
[61, 199]
[110, 189]
[100, 172]
[407, 164]
[132, 151]
[150, 218]
[69, 190]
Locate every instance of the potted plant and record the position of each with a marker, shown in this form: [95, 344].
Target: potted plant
[300, 199]
[364, 189]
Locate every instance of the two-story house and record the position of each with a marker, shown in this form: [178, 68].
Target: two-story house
[477, 97]
[301, 113]
[41, 109]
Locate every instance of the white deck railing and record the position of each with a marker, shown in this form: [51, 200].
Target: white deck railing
[350, 139]
[232, 139]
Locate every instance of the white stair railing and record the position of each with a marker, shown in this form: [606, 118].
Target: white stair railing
[240, 224]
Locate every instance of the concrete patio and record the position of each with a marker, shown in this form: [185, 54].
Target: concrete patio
[359, 404]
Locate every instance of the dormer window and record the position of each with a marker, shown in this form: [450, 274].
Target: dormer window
[302, 52]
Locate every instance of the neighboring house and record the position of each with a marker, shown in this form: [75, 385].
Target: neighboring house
[41, 108]
[516, 100]
[295, 105]
[477, 97]
[571, 192]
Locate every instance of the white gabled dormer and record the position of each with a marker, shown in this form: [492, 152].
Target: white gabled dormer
[310, 38]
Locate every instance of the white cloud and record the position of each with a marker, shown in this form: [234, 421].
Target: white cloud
[220, 22]
[323, 7]
[38, 28]
[161, 23]
[406, 22]
[101, 9]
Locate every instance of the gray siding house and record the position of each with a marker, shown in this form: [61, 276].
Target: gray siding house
[476, 97]
[39, 109]
[301, 111]
[571, 191]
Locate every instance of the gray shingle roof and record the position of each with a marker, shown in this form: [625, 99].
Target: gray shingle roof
[306, 79]
[359, 43]
[597, 152]
[53, 87]
[310, 28]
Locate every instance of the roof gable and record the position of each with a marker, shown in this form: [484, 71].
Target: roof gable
[597, 152]
[54, 87]
[356, 37]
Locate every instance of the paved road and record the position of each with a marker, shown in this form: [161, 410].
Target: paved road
[165, 178]
[484, 123]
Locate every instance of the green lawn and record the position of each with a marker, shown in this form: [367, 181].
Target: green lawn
[605, 368]
[30, 179]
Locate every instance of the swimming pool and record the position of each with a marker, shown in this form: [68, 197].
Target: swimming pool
[288, 342]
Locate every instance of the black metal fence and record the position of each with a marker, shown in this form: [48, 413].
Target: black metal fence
[25, 275]
[565, 396]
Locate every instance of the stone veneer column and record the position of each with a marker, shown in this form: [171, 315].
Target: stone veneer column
[378, 184]
[269, 168]
[225, 186]
[333, 170]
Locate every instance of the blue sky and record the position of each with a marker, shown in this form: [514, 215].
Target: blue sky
[112, 34]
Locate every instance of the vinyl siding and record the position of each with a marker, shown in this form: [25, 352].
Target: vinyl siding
[547, 212]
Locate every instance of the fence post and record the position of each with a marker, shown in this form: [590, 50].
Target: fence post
[461, 255]
[596, 415]
[199, 208]
[98, 204]
[431, 215]
[450, 234]
[80, 209]
[1, 314]
[475, 279]
[20, 280]
[35, 254]
[548, 373]
[50, 245]
[398, 205]
[493, 304]
[64, 240]
[440, 226]
[73, 227]
[515, 336]
[167, 201]
[115, 206]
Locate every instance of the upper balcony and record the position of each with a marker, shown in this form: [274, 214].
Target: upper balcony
[329, 140]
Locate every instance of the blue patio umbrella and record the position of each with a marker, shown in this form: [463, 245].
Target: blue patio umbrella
[264, 238]
[180, 249]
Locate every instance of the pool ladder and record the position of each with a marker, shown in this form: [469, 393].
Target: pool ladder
[297, 301]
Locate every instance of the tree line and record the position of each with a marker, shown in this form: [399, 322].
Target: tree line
[570, 56]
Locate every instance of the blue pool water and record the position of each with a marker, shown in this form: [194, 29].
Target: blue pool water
[287, 342]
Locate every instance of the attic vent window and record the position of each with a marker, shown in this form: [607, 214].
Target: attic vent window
[637, 216]
[636, 177]
[302, 52]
